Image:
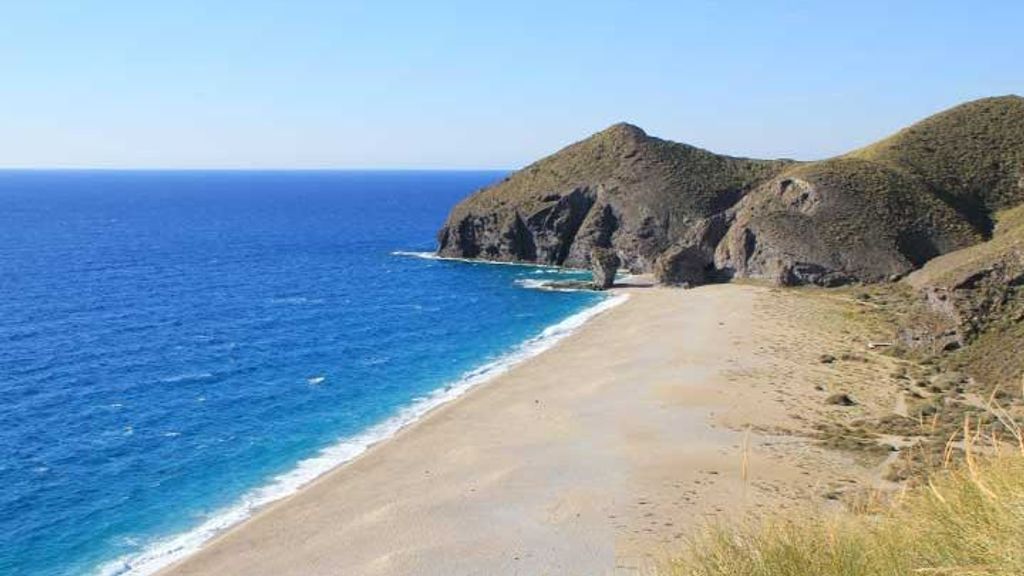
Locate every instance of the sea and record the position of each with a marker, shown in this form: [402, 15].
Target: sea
[180, 348]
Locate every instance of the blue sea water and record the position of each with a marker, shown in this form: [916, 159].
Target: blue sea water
[177, 348]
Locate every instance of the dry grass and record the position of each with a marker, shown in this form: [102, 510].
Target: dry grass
[970, 153]
[966, 519]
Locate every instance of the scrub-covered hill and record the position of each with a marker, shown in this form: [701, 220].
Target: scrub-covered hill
[690, 215]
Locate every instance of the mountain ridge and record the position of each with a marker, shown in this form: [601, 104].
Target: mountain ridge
[689, 215]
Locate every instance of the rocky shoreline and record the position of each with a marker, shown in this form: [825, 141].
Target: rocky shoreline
[690, 216]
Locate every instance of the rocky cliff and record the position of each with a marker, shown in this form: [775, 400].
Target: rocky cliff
[619, 188]
[689, 215]
[972, 302]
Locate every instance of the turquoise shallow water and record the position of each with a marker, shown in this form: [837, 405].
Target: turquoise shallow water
[177, 348]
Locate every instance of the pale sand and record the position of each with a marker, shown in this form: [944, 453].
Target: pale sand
[592, 458]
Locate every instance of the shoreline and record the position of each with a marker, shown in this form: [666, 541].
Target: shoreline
[554, 268]
[595, 457]
[164, 552]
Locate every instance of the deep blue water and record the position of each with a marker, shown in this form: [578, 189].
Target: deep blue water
[170, 341]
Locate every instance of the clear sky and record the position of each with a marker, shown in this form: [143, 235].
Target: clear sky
[333, 84]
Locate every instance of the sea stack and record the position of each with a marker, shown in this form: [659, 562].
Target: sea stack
[604, 263]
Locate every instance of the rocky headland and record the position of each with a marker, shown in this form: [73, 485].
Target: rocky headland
[941, 199]
[924, 228]
[688, 215]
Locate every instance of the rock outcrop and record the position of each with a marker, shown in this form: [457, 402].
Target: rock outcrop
[604, 264]
[975, 291]
[618, 188]
[691, 216]
[682, 266]
[840, 220]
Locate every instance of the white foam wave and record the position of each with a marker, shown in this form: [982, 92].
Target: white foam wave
[548, 270]
[549, 285]
[165, 552]
[531, 283]
[295, 300]
[435, 256]
[187, 377]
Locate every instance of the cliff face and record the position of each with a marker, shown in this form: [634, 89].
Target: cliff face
[619, 188]
[690, 215]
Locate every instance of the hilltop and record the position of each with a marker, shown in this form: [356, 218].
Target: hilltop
[690, 215]
[618, 188]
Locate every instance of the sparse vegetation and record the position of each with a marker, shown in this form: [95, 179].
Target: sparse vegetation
[956, 447]
[944, 197]
[970, 154]
[981, 299]
[627, 162]
[928, 190]
[967, 518]
[870, 215]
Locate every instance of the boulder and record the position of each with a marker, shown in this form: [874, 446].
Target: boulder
[682, 265]
[604, 263]
[840, 399]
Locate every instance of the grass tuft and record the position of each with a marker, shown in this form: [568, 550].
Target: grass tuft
[967, 520]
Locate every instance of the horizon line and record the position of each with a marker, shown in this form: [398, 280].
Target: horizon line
[239, 169]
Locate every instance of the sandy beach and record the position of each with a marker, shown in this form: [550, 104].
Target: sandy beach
[676, 408]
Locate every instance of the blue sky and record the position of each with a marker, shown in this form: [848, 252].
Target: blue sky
[331, 84]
